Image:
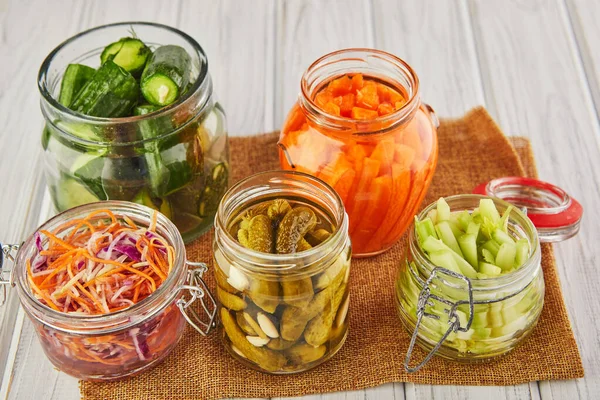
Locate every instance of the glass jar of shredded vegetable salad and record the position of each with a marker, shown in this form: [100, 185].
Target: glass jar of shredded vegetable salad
[359, 125]
[104, 140]
[107, 287]
[282, 263]
[478, 307]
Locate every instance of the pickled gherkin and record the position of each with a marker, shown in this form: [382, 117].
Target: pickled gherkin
[216, 184]
[288, 320]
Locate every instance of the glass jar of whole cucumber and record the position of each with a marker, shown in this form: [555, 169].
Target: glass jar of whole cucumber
[131, 115]
[282, 263]
[472, 280]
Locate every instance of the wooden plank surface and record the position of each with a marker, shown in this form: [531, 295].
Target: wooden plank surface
[533, 64]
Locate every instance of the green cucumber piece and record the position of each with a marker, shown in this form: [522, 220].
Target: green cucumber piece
[216, 185]
[111, 92]
[144, 109]
[81, 130]
[75, 77]
[468, 246]
[444, 231]
[131, 54]
[424, 229]
[69, 193]
[88, 169]
[166, 75]
[505, 258]
[443, 210]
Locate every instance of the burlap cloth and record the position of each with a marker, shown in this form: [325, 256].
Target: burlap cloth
[472, 150]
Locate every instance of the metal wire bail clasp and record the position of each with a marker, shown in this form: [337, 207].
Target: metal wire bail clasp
[5, 273]
[199, 291]
[453, 322]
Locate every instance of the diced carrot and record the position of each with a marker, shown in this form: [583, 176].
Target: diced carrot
[332, 109]
[340, 86]
[295, 119]
[395, 97]
[356, 152]
[404, 155]
[333, 171]
[367, 97]
[399, 104]
[357, 82]
[411, 138]
[362, 113]
[385, 108]
[347, 104]
[401, 187]
[383, 92]
[369, 172]
[380, 192]
[344, 184]
[322, 98]
[384, 153]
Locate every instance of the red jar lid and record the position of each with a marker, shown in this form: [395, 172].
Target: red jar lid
[554, 213]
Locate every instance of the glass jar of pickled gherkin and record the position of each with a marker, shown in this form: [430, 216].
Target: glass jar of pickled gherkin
[173, 159]
[476, 319]
[282, 262]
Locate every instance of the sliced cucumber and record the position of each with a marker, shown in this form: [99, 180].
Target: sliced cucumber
[75, 77]
[216, 185]
[69, 193]
[131, 54]
[88, 169]
[166, 75]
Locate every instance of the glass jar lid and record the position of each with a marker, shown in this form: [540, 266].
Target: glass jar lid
[555, 214]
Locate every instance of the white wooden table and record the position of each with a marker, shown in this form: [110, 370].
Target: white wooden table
[535, 65]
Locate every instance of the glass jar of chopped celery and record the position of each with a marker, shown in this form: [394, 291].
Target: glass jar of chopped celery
[471, 287]
[282, 263]
[131, 115]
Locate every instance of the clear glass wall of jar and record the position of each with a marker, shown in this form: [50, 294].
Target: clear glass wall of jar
[506, 308]
[282, 313]
[174, 159]
[382, 166]
[122, 343]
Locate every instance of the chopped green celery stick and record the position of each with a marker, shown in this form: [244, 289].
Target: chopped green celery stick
[468, 245]
[522, 252]
[443, 210]
[468, 335]
[489, 269]
[462, 318]
[505, 258]
[481, 276]
[431, 245]
[432, 215]
[501, 237]
[473, 229]
[503, 224]
[456, 231]
[488, 257]
[482, 333]
[424, 229]
[444, 231]
[492, 247]
[479, 319]
[488, 210]
[444, 259]
[464, 220]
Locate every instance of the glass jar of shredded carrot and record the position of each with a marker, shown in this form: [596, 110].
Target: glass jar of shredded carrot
[107, 286]
[359, 125]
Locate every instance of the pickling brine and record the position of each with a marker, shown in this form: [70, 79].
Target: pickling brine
[282, 264]
[360, 126]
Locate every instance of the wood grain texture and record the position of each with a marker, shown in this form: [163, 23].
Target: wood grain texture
[529, 62]
[584, 16]
[535, 87]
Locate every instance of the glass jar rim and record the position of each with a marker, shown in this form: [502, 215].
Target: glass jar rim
[198, 85]
[491, 283]
[391, 120]
[92, 324]
[266, 263]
